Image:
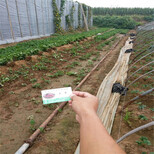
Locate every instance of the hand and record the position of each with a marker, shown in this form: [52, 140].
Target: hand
[83, 104]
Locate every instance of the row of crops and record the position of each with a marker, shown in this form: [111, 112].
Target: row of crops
[101, 41]
[22, 50]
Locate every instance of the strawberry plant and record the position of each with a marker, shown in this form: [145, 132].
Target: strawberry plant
[143, 141]
[32, 47]
[142, 117]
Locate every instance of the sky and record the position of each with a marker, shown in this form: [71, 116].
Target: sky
[119, 3]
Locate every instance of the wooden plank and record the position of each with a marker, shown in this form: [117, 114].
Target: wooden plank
[12, 33]
[108, 102]
[1, 36]
[36, 17]
[42, 16]
[18, 18]
[84, 17]
[28, 18]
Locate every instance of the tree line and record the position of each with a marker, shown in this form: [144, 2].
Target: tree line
[119, 22]
[123, 11]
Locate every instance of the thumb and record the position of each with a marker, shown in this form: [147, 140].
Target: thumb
[72, 96]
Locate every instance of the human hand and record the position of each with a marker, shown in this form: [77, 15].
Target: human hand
[83, 104]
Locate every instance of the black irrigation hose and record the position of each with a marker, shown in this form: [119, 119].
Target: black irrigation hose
[139, 78]
[140, 69]
[140, 59]
[135, 130]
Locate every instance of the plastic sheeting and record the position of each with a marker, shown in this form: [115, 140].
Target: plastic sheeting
[28, 19]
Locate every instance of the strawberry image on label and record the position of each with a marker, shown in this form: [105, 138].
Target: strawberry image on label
[49, 95]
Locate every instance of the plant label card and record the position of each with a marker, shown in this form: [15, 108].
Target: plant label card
[56, 95]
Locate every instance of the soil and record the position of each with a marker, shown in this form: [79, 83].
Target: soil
[67, 129]
[21, 101]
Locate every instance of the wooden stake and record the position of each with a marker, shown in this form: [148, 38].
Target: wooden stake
[18, 18]
[84, 17]
[1, 36]
[36, 17]
[42, 16]
[48, 15]
[9, 19]
[28, 18]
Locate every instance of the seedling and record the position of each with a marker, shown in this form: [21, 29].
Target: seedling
[50, 106]
[11, 92]
[37, 85]
[142, 106]
[35, 100]
[72, 65]
[33, 80]
[38, 111]
[41, 129]
[39, 66]
[152, 109]
[127, 117]
[94, 59]
[71, 73]
[32, 123]
[142, 117]
[47, 81]
[44, 59]
[24, 84]
[67, 85]
[90, 62]
[60, 110]
[78, 88]
[56, 56]
[143, 141]
[57, 74]
[85, 57]
[10, 71]
[74, 51]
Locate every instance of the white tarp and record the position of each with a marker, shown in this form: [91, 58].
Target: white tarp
[27, 19]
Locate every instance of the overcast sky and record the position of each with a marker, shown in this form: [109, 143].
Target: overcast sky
[119, 3]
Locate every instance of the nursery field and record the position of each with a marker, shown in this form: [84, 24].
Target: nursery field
[63, 61]
[62, 64]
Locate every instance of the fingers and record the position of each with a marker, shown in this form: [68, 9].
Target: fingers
[81, 94]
